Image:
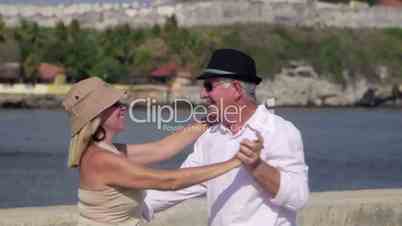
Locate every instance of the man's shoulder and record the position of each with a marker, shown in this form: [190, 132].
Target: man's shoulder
[270, 122]
[283, 131]
[287, 129]
[284, 123]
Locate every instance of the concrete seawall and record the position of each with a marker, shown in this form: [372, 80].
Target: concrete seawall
[347, 208]
[51, 96]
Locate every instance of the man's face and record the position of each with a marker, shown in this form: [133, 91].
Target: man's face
[220, 97]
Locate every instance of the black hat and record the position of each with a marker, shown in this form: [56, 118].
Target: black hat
[233, 64]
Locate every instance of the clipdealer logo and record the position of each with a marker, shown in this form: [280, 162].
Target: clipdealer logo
[163, 114]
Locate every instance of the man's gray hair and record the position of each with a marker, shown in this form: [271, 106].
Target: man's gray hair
[248, 88]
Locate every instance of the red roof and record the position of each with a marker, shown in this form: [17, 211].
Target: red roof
[48, 72]
[165, 70]
[394, 3]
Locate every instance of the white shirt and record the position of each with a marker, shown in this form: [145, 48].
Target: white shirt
[235, 198]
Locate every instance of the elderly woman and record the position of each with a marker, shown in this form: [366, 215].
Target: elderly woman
[113, 177]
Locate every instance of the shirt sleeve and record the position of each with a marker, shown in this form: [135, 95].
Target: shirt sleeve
[156, 201]
[286, 154]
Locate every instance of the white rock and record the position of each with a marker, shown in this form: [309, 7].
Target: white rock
[47, 11]
[382, 72]
[135, 5]
[166, 10]
[107, 6]
[11, 10]
[126, 5]
[131, 12]
[144, 11]
[97, 7]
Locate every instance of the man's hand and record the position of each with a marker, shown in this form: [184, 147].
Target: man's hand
[266, 175]
[249, 152]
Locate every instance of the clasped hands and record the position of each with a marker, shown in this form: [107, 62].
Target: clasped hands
[250, 150]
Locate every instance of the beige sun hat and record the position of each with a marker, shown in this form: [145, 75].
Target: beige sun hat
[84, 102]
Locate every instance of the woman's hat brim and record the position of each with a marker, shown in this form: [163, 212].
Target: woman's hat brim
[94, 104]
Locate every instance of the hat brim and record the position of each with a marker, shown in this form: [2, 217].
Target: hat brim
[95, 104]
[209, 75]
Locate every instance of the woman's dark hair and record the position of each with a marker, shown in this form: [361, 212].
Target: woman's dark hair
[99, 134]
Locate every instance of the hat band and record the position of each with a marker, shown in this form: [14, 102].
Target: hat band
[217, 71]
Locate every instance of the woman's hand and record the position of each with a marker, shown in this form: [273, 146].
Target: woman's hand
[249, 152]
[165, 148]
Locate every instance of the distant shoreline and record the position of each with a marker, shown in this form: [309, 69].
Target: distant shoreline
[50, 96]
[53, 102]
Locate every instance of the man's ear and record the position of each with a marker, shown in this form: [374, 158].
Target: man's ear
[239, 89]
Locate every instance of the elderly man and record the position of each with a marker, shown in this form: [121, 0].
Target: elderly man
[272, 185]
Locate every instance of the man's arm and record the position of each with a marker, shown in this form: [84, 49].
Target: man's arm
[287, 180]
[266, 175]
[157, 201]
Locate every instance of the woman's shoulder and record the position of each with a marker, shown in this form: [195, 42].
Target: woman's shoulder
[97, 157]
[92, 167]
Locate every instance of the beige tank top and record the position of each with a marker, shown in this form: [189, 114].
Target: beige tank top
[111, 206]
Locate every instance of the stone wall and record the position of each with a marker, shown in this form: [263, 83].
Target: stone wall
[347, 208]
[290, 12]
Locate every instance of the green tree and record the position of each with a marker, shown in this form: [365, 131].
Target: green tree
[2, 30]
[74, 30]
[186, 47]
[371, 2]
[31, 42]
[61, 32]
[58, 45]
[143, 58]
[156, 30]
[30, 66]
[81, 52]
[119, 44]
[108, 69]
[171, 24]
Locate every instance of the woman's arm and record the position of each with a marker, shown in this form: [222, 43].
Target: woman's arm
[165, 148]
[118, 171]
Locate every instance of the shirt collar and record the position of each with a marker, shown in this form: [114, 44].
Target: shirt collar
[260, 120]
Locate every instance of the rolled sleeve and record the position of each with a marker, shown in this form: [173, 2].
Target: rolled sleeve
[293, 191]
[288, 159]
[147, 212]
[156, 201]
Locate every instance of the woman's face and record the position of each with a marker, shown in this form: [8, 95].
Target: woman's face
[114, 118]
